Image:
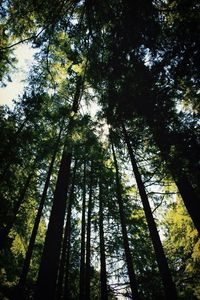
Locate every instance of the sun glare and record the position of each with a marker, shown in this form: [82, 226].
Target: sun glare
[24, 54]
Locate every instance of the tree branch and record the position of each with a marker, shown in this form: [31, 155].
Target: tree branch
[24, 40]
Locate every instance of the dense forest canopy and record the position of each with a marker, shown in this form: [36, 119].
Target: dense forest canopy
[99, 173]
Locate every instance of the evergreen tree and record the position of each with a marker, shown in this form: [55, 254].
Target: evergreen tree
[139, 62]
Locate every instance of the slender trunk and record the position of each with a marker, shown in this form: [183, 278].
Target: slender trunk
[82, 260]
[87, 268]
[67, 267]
[131, 273]
[22, 281]
[64, 264]
[103, 274]
[169, 287]
[5, 231]
[50, 258]
[47, 277]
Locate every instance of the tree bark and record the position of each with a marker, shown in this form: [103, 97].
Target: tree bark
[131, 272]
[169, 287]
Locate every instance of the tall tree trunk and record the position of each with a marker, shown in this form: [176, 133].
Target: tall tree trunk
[22, 281]
[169, 287]
[64, 263]
[5, 231]
[87, 267]
[82, 260]
[47, 277]
[190, 199]
[67, 267]
[186, 190]
[131, 273]
[103, 274]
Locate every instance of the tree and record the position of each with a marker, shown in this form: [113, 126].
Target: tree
[22, 281]
[103, 275]
[169, 287]
[50, 259]
[139, 61]
[88, 242]
[182, 246]
[132, 89]
[132, 277]
[82, 258]
[63, 277]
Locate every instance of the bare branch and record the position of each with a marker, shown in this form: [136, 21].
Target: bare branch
[24, 40]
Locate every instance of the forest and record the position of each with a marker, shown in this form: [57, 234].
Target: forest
[99, 156]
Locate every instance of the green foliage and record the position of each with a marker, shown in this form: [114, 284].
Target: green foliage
[182, 245]
[13, 255]
[140, 61]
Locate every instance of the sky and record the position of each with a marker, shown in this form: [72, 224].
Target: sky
[24, 54]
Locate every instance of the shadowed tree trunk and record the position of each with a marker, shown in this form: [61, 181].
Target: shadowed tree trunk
[103, 274]
[64, 261]
[47, 277]
[68, 251]
[67, 264]
[87, 267]
[82, 260]
[131, 272]
[22, 281]
[186, 190]
[190, 199]
[169, 287]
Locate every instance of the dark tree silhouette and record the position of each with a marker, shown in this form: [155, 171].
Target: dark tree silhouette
[103, 274]
[46, 285]
[131, 272]
[169, 287]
